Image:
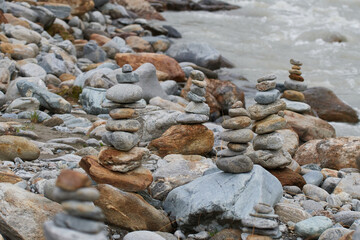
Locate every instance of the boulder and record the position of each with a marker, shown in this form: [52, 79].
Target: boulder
[288, 177]
[142, 8]
[195, 206]
[201, 54]
[78, 7]
[23, 213]
[130, 211]
[308, 127]
[139, 44]
[18, 51]
[193, 139]
[349, 184]
[162, 63]
[328, 106]
[291, 212]
[13, 146]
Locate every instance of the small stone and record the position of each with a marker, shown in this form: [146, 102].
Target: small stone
[126, 68]
[192, 118]
[295, 72]
[261, 208]
[70, 180]
[311, 206]
[236, 123]
[313, 227]
[267, 97]
[236, 164]
[195, 98]
[237, 136]
[267, 78]
[198, 108]
[315, 193]
[139, 104]
[266, 85]
[198, 90]
[296, 63]
[292, 190]
[290, 212]
[238, 104]
[259, 111]
[123, 141]
[198, 83]
[197, 75]
[124, 93]
[271, 159]
[269, 124]
[295, 106]
[82, 194]
[53, 121]
[128, 125]
[293, 95]
[131, 77]
[83, 209]
[78, 224]
[296, 67]
[267, 232]
[123, 113]
[237, 147]
[333, 201]
[259, 223]
[295, 85]
[143, 235]
[270, 141]
[313, 177]
[236, 112]
[346, 218]
[227, 153]
[296, 77]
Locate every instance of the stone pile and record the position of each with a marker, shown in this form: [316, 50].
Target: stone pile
[81, 219]
[197, 111]
[263, 222]
[269, 117]
[232, 159]
[293, 96]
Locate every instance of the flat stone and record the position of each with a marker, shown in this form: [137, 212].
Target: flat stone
[258, 111]
[312, 206]
[313, 227]
[200, 91]
[195, 98]
[237, 136]
[238, 104]
[13, 146]
[291, 213]
[70, 180]
[269, 124]
[295, 71]
[143, 235]
[315, 193]
[265, 86]
[197, 75]
[267, 97]
[313, 177]
[128, 125]
[263, 208]
[113, 105]
[227, 153]
[78, 224]
[295, 62]
[296, 106]
[271, 159]
[236, 164]
[237, 147]
[198, 108]
[267, 232]
[296, 67]
[295, 85]
[83, 209]
[123, 141]
[82, 194]
[192, 118]
[23, 104]
[201, 84]
[267, 78]
[123, 113]
[293, 95]
[296, 77]
[236, 123]
[334, 233]
[124, 93]
[270, 141]
[346, 218]
[236, 112]
[252, 222]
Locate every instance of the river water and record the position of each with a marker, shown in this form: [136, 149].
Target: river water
[262, 36]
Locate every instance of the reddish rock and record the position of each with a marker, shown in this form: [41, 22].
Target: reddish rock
[133, 181]
[333, 153]
[99, 39]
[308, 127]
[288, 177]
[78, 7]
[9, 18]
[66, 77]
[328, 106]
[220, 95]
[130, 211]
[17, 51]
[142, 8]
[193, 139]
[9, 177]
[70, 180]
[161, 62]
[138, 44]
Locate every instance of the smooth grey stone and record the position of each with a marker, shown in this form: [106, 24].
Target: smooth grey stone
[83, 209]
[115, 45]
[313, 177]
[21, 33]
[334, 233]
[83, 77]
[311, 206]
[187, 118]
[187, 70]
[37, 116]
[52, 64]
[126, 68]
[19, 10]
[122, 141]
[197, 90]
[313, 227]
[71, 121]
[82, 194]
[127, 77]
[292, 190]
[109, 65]
[330, 184]
[195, 98]
[259, 223]
[136, 105]
[262, 208]
[227, 153]
[295, 85]
[198, 108]
[24, 104]
[194, 203]
[271, 159]
[270, 141]
[143, 235]
[170, 87]
[91, 100]
[114, 10]
[267, 97]
[346, 218]
[314, 192]
[99, 3]
[68, 47]
[267, 78]
[126, 125]
[78, 224]
[124, 93]
[237, 136]
[32, 70]
[264, 232]
[52, 232]
[59, 11]
[94, 52]
[51, 101]
[237, 112]
[96, 16]
[236, 164]
[295, 106]
[34, 26]
[333, 201]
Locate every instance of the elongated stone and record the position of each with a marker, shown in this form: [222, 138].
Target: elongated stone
[195, 98]
[124, 93]
[236, 164]
[123, 113]
[266, 85]
[269, 124]
[236, 112]
[258, 111]
[237, 136]
[123, 141]
[267, 97]
[128, 125]
[198, 108]
[296, 63]
[295, 85]
[236, 122]
[271, 141]
[267, 78]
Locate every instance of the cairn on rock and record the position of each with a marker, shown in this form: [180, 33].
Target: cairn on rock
[197, 111]
[262, 222]
[293, 96]
[233, 159]
[81, 219]
[269, 116]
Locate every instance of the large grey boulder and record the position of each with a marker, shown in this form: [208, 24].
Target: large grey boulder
[202, 54]
[220, 200]
[46, 17]
[93, 52]
[13, 92]
[19, 10]
[22, 33]
[91, 100]
[51, 101]
[149, 82]
[52, 64]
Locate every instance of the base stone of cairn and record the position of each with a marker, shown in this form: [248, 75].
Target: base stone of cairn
[293, 96]
[269, 116]
[81, 219]
[233, 159]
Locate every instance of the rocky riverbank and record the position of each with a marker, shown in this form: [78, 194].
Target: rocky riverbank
[110, 130]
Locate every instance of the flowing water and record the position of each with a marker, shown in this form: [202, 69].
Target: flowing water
[262, 36]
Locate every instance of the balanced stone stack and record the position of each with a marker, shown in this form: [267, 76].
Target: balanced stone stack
[293, 96]
[269, 116]
[81, 219]
[197, 111]
[263, 222]
[233, 159]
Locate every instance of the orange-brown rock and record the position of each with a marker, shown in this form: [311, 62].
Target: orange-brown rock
[333, 153]
[14, 146]
[78, 7]
[133, 181]
[328, 106]
[66, 77]
[293, 95]
[288, 177]
[220, 95]
[99, 39]
[70, 180]
[95, 125]
[347, 236]
[123, 113]
[17, 51]
[11, 19]
[9, 177]
[138, 44]
[3, 38]
[130, 211]
[308, 127]
[184, 139]
[296, 77]
[327, 172]
[258, 237]
[227, 234]
[161, 62]
[142, 8]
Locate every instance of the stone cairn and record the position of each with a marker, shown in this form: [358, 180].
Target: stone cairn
[233, 159]
[125, 100]
[293, 96]
[197, 111]
[81, 219]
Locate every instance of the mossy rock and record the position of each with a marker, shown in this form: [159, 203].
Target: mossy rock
[59, 29]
